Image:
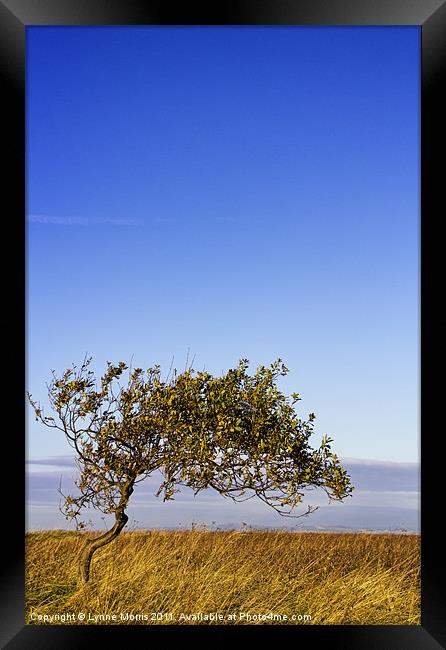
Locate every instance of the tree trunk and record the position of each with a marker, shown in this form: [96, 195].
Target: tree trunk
[92, 545]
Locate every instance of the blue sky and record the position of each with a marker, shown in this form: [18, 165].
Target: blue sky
[239, 192]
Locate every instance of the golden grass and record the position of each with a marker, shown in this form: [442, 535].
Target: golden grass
[358, 578]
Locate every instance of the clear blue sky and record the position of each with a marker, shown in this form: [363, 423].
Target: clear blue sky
[242, 192]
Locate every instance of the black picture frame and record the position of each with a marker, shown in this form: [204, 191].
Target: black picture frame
[430, 16]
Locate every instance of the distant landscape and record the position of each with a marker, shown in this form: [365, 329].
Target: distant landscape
[386, 498]
[202, 577]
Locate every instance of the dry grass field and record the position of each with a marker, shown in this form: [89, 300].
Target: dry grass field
[254, 577]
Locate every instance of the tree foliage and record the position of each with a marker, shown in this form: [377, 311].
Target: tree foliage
[237, 434]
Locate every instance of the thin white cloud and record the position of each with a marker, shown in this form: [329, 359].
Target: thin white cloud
[80, 221]
[50, 220]
[53, 461]
[381, 463]
[69, 459]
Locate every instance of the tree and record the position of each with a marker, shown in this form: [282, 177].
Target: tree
[237, 434]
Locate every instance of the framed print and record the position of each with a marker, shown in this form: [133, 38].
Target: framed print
[228, 222]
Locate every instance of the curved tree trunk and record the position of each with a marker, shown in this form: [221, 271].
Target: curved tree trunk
[92, 545]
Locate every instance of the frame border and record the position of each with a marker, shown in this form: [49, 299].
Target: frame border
[430, 16]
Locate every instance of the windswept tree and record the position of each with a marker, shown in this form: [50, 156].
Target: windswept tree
[237, 434]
